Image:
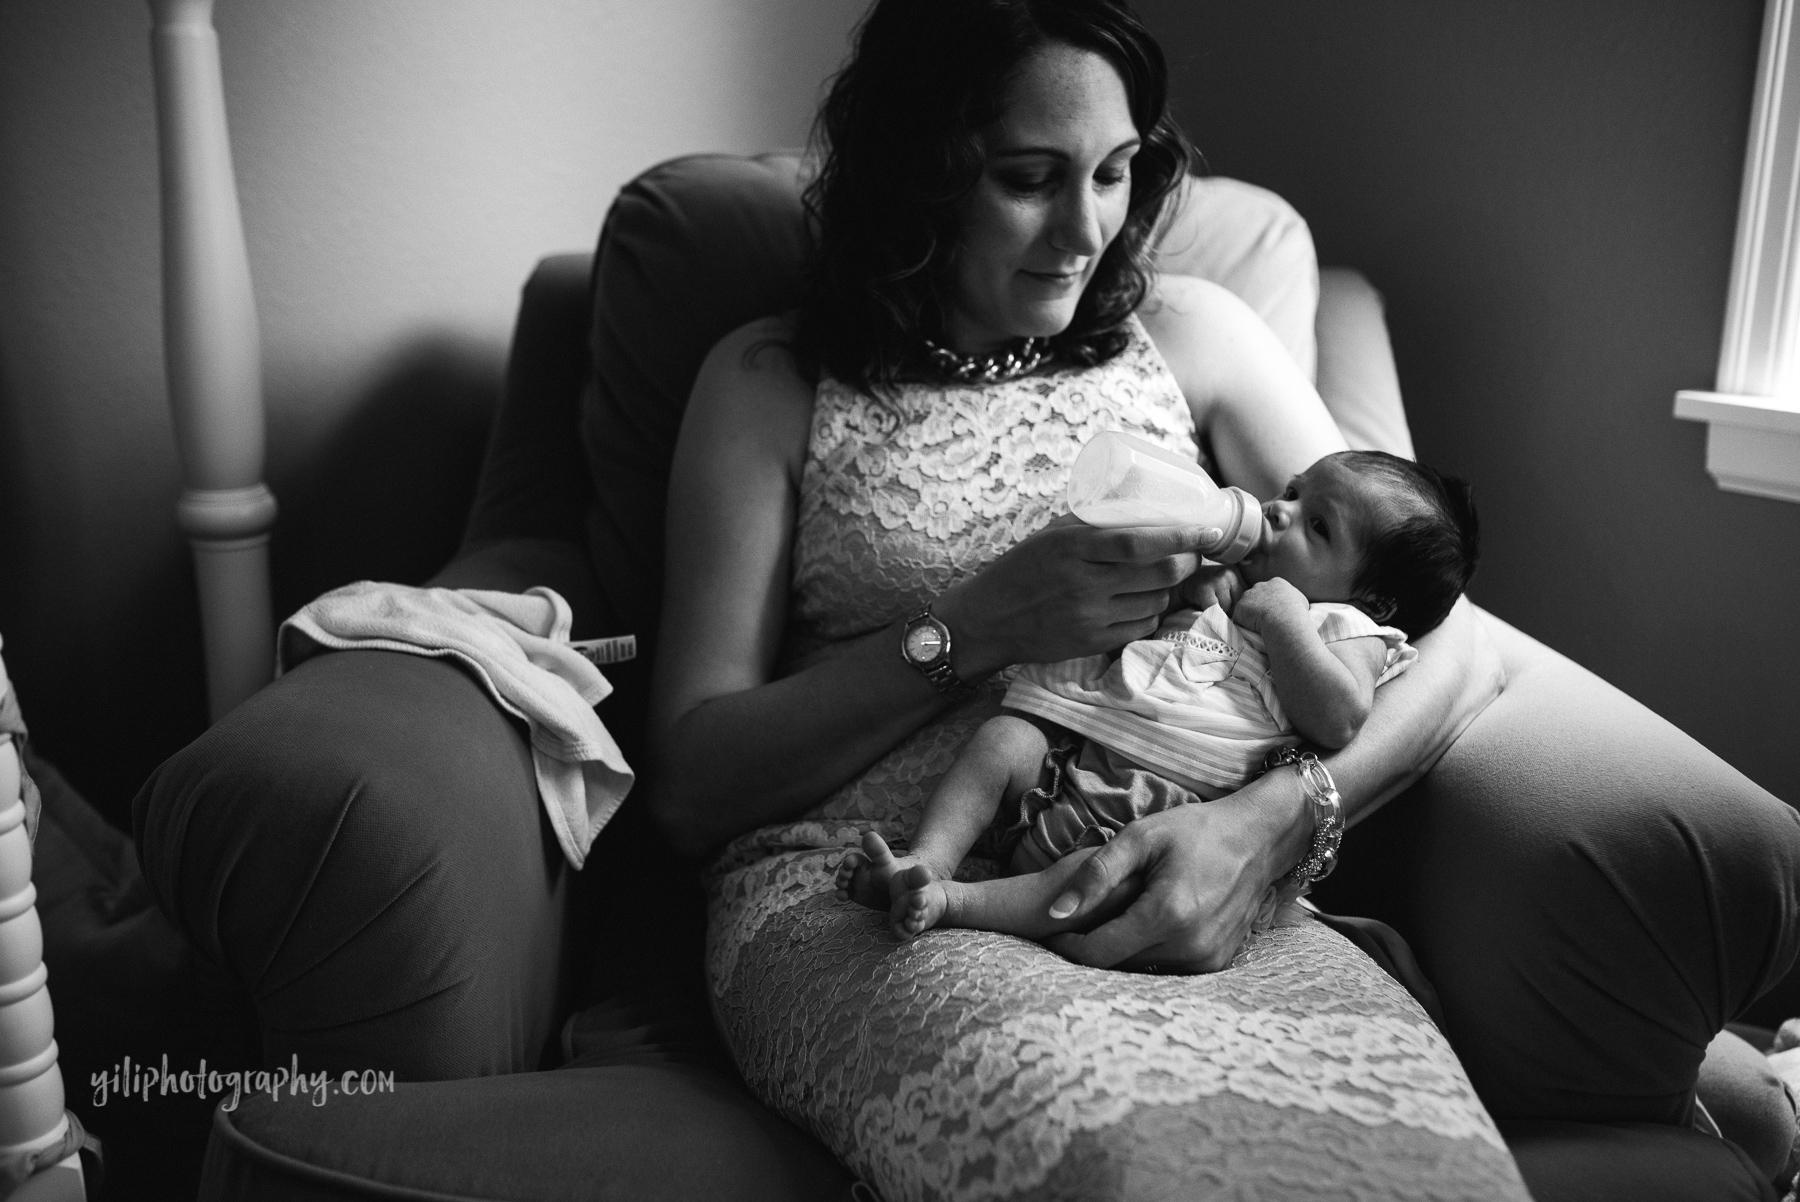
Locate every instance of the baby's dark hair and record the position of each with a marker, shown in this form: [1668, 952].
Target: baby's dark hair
[1422, 553]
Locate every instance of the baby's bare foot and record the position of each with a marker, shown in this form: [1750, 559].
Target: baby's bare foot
[866, 877]
[919, 901]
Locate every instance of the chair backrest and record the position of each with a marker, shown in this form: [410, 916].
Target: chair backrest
[695, 247]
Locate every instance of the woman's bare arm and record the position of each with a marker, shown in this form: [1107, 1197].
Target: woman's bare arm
[1249, 398]
[1265, 422]
[736, 748]
[725, 733]
[1203, 869]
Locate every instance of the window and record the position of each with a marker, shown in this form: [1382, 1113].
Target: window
[1753, 416]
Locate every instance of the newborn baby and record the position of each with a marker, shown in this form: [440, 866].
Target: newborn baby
[1362, 551]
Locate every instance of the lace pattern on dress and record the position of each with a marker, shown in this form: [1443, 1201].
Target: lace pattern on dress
[968, 1065]
[971, 1065]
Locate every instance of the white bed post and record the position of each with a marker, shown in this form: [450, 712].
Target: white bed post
[31, 1084]
[214, 356]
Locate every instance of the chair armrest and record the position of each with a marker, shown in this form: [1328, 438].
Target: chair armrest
[361, 846]
[1357, 376]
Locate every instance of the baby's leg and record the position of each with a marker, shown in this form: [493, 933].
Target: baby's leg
[1013, 905]
[1001, 760]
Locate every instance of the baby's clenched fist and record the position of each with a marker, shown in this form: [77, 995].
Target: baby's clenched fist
[1213, 584]
[1270, 603]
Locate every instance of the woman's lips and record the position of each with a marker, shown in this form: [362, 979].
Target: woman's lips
[1057, 278]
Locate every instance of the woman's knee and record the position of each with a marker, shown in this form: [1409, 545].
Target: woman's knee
[361, 845]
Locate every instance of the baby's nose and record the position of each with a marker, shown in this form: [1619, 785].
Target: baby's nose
[1275, 515]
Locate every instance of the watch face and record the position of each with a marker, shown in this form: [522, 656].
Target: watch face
[924, 643]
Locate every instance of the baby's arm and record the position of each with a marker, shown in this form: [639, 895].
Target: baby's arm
[1326, 688]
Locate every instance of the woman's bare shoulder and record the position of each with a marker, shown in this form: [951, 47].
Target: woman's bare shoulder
[1211, 340]
[1184, 313]
[751, 393]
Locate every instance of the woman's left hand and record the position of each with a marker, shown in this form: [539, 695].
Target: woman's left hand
[1201, 873]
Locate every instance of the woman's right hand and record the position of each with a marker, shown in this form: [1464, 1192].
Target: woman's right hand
[1069, 590]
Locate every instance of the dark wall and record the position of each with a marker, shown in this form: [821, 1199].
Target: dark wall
[1546, 192]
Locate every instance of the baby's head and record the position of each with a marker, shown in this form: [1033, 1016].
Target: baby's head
[1391, 536]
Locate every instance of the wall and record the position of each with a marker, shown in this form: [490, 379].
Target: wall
[401, 166]
[1546, 192]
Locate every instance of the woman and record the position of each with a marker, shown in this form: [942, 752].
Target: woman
[861, 536]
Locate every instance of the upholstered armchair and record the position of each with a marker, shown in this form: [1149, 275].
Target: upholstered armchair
[550, 1030]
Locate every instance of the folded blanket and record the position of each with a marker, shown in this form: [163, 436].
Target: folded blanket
[517, 645]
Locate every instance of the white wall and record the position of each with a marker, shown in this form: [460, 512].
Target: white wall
[402, 163]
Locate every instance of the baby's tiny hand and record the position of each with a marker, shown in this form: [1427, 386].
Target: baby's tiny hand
[1268, 604]
[1213, 585]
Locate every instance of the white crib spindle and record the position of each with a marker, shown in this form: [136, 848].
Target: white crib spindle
[214, 355]
[31, 1087]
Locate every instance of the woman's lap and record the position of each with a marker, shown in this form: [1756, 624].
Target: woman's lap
[966, 1064]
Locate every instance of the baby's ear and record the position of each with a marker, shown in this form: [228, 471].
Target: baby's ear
[1382, 609]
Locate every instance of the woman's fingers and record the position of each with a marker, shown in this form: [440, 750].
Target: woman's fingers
[1141, 544]
[1110, 943]
[1134, 607]
[1101, 874]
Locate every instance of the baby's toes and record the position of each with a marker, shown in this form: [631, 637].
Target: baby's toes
[846, 872]
[911, 918]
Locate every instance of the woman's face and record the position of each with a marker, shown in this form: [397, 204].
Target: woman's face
[1054, 191]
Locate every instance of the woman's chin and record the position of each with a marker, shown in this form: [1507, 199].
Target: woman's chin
[1046, 321]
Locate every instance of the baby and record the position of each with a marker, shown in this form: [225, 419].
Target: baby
[1362, 551]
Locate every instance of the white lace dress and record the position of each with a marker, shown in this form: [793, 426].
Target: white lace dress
[972, 1065]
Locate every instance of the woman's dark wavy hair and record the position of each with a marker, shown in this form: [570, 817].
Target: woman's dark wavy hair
[897, 152]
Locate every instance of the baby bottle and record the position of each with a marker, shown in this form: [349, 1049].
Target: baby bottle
[1119, 480]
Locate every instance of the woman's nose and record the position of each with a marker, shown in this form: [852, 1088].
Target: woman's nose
[1077, 229]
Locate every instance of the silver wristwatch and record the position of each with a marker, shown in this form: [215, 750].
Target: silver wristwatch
[925, 644]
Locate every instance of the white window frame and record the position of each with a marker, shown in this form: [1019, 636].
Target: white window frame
[1753, 414]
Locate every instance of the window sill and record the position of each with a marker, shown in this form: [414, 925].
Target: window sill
[1752, 442]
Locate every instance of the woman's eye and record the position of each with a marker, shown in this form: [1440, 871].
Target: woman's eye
[1027, 183]
[1111, 179]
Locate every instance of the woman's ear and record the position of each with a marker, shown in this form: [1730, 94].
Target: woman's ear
[1382, 609]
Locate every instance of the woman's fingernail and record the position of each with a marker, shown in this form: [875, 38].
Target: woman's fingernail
[1211, 535]
[1065, 905]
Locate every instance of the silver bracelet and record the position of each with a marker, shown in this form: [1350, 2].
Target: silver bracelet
[1327, 815]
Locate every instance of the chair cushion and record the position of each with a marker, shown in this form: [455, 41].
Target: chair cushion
[691, 250]
[698, 246]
